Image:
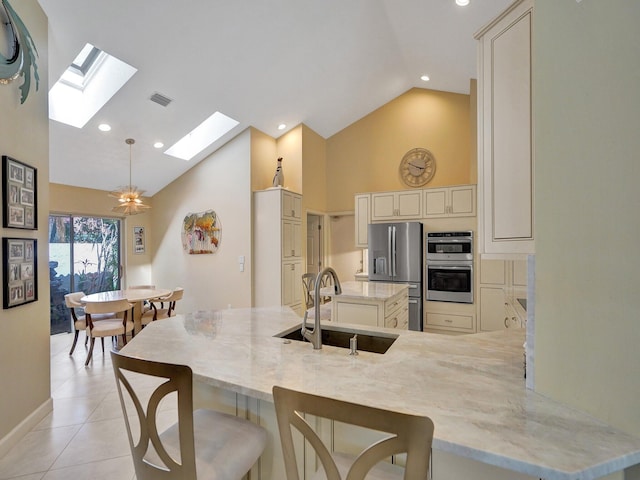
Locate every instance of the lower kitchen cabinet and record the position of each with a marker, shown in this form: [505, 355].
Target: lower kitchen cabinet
[501, 282]
[449, 318]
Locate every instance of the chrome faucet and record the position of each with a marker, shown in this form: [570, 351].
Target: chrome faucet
[315, 336]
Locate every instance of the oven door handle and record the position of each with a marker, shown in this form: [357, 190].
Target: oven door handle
[450, 267]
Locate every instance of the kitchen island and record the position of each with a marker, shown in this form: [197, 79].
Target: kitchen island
[487, 424]
[377, 304]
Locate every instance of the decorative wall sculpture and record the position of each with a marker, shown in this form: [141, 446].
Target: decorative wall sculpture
[201, 232]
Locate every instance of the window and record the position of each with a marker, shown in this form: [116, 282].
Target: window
[84, 255]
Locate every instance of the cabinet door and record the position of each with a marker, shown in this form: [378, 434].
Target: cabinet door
[492, 309]
[383, 206]
[462, 201]
[362, 220]
[435, 202]
[291, 283]
[409, 204]
[291, 205]
[505, 138]
[493, 272]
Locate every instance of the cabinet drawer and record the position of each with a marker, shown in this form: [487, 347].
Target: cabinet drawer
[463, 322]
[394, 304]
[399, 319]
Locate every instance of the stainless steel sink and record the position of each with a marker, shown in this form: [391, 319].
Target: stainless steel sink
[339, 337]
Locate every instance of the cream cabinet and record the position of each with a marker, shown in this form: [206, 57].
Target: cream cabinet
[392, 312]
[501, 283]
[400, 205]
[362, 220]
[505, 148]
[277, 222]
[458, 201]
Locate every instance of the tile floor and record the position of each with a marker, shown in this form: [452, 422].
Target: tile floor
[85, 436]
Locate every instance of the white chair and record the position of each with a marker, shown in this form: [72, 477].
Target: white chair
[110, 327]
[410, 434]
[204, 444]
[155, 313]
[72, 300]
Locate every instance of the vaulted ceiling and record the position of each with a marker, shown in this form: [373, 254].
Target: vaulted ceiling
[324, 63]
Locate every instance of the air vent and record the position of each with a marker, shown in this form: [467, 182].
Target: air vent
[160, 99]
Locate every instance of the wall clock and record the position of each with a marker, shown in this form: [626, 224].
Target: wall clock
[22, 51]
[417, 167]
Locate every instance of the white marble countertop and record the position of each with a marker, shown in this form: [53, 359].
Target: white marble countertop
[471, 386]
[366, 290]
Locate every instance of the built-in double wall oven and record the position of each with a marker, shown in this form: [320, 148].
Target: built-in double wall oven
[449, 266]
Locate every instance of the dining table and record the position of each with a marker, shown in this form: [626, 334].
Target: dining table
[136, 296]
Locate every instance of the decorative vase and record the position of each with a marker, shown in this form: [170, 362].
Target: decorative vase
[278, 177]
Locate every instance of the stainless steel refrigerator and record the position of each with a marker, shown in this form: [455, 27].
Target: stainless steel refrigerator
[395, 256]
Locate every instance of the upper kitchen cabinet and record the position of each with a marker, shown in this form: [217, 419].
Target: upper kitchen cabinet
[399, 205]
[459, 201]
[505, 149]
[363, 207]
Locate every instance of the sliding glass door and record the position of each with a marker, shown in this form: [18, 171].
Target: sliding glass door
[84, 255]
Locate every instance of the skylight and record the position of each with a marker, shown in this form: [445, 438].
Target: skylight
[86, 86]
[202, 136]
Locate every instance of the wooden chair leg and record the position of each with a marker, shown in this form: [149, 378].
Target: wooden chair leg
[124, 338]
[90, 354]
[75, 339]
[102, 341]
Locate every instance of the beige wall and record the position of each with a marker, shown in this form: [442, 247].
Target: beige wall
[221, 182]
[365, 156]
[24, 343]
[90, 202]
[289, 147]
[263, 160]
[587, 106]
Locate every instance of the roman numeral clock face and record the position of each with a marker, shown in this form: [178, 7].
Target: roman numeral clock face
[417, 167]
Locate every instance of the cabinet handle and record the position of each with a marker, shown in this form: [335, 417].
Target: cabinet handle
[293, 213]
[448, 320]
[293, 253]
[506, 322]
[395, 322]
[293, 267]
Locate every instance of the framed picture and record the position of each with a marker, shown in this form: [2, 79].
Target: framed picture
[19, 271]
[19, 182]
[138, 240]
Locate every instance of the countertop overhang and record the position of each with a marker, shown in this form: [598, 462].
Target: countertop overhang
[366, 290]
[471, 386]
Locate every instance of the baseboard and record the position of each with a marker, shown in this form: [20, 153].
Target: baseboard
[24, 427]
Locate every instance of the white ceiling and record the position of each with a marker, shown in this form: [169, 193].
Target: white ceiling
[324, 63]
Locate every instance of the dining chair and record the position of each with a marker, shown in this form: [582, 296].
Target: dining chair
[410, 434]
[203, 444]
[72, 301]
[145, 304]
[109, 327]
[309, 285]
[155, 313]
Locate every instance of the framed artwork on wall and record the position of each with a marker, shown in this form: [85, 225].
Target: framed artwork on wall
[138, 240]
[19, 186]
[19, 271]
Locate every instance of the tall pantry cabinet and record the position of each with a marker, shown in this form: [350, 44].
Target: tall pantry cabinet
[505, 133]
[277, 251]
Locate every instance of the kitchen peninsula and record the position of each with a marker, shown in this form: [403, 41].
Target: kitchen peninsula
[370, 303]
[471, 386]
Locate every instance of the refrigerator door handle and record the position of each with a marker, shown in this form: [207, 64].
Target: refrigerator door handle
[390, 249]
[393, 248]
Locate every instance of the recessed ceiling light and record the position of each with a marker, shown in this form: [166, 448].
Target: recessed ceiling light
[202, 136]
[104, 127]
[158, 145]
[462, 3]
[424, 78]
[282, 126]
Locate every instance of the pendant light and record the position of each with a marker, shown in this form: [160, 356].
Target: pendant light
[129, 197]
